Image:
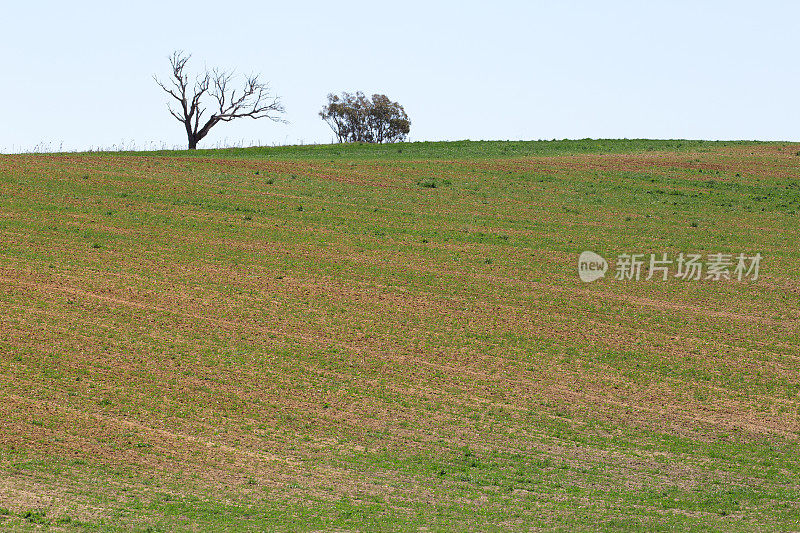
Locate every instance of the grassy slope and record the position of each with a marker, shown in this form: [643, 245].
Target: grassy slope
[454, 150]
[308, 336]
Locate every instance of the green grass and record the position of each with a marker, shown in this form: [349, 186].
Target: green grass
[456, 150]
[361, 338]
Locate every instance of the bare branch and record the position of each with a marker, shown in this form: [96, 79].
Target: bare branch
[174, 114]
[167, 89]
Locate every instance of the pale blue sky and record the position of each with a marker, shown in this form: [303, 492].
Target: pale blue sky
[80, 72]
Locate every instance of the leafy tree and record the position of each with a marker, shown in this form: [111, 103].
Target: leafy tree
[355, 118]
[335, 115]
[253, 100]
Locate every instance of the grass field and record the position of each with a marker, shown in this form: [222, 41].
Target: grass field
[381, 338]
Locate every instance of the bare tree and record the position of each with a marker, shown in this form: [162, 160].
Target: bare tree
[253, 100]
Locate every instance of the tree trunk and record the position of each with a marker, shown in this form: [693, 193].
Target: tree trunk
[192, 143]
